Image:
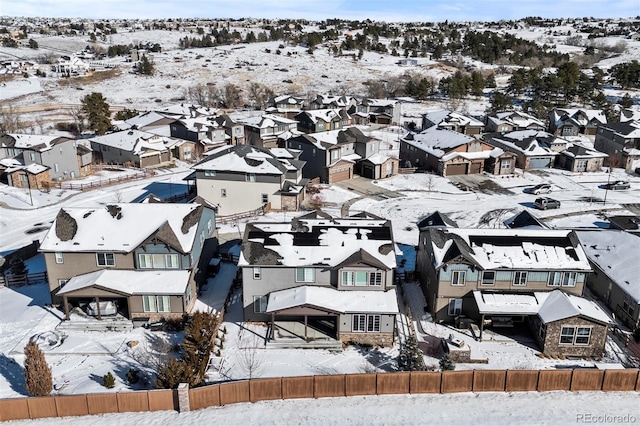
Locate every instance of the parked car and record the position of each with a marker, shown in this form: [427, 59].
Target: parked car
[619, 184]
[544, 203]
[543, 188]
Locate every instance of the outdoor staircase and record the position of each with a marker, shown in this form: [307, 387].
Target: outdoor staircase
[284, 343]
[106, 324]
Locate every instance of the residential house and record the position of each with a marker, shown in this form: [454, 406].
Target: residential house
[287, 106]
[336, 155]
[333, 102]
[533, 149]
[153, 122]
[137, 148]
[329, 278]
[627, 223]
[525, 219]
[32, 176]
[148, 259]
[205, 132]
[510, 121]
[575, 121]
[379, 111]
[580, 157]
[266, 130]
[322, 120]
[622, 142]
[244, 178]
[450, 153]
[451, 120]
[614, 257]
[56, 153]
[233, 129]
[453, 263]
[436, 219]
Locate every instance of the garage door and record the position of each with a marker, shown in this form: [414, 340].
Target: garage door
[338, 174]
[475, 168]
[456, 169]
[540, 163]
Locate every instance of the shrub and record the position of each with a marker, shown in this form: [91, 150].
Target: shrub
[447, 364]
[37, 373]
[108, 381]
[133, 376]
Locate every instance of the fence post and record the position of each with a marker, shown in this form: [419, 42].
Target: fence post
[183, 398]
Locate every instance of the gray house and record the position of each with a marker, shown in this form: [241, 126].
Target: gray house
[58, 153]
[622, 142]
[322, 279]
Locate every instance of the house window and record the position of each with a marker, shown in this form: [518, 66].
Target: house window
[488, 278]
[250, 177]
[32, 156]
[56, 168]
[265, 198]
[375, 278]
[156, 304]
[335, 154]
[209, 227]
[62, 282]
[260, 304]
[59, 258]
[257, 273]
[520, 278]
[348, 278]
[542, 332]
[373, 323]
[209, 173]
[455, 307]
[457, 277]
[359, 322]
[628, 305]
[172, 261]
[223, 193]
[569, 279]
[305, 275]
[158, 261]
[105, 259]
[575, 335]
[564, 279]
[555, 279]
[505, 165]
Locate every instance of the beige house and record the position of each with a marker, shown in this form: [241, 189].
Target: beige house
[143, 258]
[320, 281]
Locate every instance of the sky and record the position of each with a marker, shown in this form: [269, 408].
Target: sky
[378, 10]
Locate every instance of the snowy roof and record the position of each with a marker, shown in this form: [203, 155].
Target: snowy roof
[146, 119]
[247, 159]
[532, 143]
[326, 115]
[581, 116]
[320, 242]
[266, 120]
[352, 301]
[616, 254]
[377, 158]
[499, 303]
[519, 119]
[575, 149]
[135, 141]
[445, 117]
[560, 305]
[437, 141]
[14, 166]
[122, 227]
[131, 282]
[31, 142]
[529, 249]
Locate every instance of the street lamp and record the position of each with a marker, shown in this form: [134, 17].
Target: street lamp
[606, 188]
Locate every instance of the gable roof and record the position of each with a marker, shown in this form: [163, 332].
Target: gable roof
[531, 143]
[122, 227]
[448, 118]
[560, 305]
[525, 219]
[436, 219]
[131, 282]
[39, 143]
[249, 159]
[135, 141]
[437, 142]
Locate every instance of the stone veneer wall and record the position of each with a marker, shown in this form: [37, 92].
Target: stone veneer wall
[374, 339]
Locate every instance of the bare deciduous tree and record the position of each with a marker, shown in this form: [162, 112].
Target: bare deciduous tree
[231, 96]
[10, 120]
[204, 95]
[251, 357]
[259, 95]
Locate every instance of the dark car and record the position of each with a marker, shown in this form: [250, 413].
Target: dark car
[619, 184]
[543, 188]
[544, 203]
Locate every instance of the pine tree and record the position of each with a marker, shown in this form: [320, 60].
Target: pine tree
[170, 374]
[198, 344]
[146, 67]
[411, 357]
[37, 373]
[96, 110]
[447, 364]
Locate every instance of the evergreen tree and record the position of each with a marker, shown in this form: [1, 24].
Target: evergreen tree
[411, 357]
[447, 364]
[37, 373]
[108, 381]
[170, 374]
[145, 66]
[96, 110]
[626, 101]
[198, 344]
[500, 102]
[33, 44]
[17, 266]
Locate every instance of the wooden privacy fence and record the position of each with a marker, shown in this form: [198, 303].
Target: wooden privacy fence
[341, 385]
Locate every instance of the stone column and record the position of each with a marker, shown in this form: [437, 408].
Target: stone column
[183, 398]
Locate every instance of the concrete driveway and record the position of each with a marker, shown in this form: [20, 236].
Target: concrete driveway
[478, 183]
[364, 187]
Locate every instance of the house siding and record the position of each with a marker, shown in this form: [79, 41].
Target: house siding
[241, 196]
[551, 345]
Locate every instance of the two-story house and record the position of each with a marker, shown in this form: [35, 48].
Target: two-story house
[137, 148]
[379, 111]
[511, 121]
[57, 153]
[146, 259]
[322, 120]
[322, 101]
[621, 141]
[451, 120]
[287, 106]
[575, 121]
[533, 149]
[206, 132]
[457, 267]
[266, 130]
[330, 278]
[233, 129]
[244, 178]
[450, 153]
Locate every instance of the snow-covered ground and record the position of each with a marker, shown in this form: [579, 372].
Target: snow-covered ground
[509, 409]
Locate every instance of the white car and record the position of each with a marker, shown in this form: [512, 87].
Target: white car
[543, 188]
